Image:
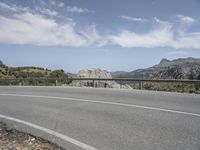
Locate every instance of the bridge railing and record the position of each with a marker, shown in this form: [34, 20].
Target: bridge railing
[141, 83]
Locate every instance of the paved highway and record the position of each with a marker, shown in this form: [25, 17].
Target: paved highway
[105, 119]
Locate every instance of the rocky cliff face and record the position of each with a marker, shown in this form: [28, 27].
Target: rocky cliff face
[183, 68]
[97, 73]
[94, 73]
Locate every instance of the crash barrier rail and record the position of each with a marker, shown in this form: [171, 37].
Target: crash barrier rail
[92, 81]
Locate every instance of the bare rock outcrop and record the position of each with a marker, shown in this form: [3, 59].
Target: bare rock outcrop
[97, 73]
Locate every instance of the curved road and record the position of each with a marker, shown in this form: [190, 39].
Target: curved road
[105, 119]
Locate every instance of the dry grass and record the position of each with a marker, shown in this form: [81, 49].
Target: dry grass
[16, 140]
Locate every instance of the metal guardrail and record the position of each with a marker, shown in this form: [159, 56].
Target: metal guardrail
[108, 79]
[140, 81]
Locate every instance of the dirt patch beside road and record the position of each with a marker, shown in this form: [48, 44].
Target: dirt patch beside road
[16, 140]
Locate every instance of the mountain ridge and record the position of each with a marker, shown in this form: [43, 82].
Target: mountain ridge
[181, 68]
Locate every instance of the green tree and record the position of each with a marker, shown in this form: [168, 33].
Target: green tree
[2, 64]
[58, 74]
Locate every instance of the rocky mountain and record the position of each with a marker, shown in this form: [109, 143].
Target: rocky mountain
[97, 73]
[94, 73]
[182, 68]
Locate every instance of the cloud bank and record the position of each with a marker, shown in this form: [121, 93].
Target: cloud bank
[24, 26]
[42, 26]
[161, 35]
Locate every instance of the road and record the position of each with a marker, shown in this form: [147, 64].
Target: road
[106, 119]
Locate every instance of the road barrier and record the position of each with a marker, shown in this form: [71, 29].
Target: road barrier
[140, 82]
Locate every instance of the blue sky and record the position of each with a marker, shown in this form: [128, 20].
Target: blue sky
[112, 35]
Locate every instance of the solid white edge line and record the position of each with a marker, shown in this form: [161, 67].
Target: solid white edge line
[103, 102]
[51, 132]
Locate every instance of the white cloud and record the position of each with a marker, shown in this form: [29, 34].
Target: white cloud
[19, 9]
[162, 35]
[13, 8]
[93, 36]
[39, 26]
[187, 40]
[133, 19]
[7, 7]
[158, 37]
[160, 23]
[186, 19]
[28, 28]
[46, 11]
[61, 4]
[71, 9]
[53, 3]
[75, 9]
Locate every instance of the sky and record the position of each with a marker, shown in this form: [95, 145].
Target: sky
[108, 34]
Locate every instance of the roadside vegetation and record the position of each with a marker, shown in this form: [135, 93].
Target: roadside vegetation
[31, 72]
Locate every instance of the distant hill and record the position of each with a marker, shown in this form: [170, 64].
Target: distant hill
[29, 72]
[182, 68]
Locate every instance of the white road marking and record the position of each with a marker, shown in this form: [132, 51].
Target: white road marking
[51, 132]
[103, 102]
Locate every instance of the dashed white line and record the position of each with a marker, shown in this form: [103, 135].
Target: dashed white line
[105, 102]
[51, 132]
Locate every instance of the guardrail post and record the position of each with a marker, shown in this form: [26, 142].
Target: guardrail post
[120, 85]
[93, 83]
[22, 82]
[56, 83]
[140, 85]
[182, 86]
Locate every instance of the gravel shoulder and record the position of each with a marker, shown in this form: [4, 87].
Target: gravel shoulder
[11, 139]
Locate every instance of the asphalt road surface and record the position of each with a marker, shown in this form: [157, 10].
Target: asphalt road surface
[105, 119]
